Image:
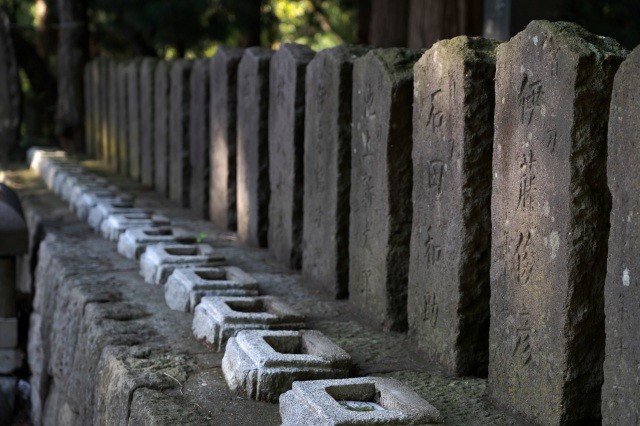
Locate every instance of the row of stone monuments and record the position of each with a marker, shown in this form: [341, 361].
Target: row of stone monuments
[463, 193]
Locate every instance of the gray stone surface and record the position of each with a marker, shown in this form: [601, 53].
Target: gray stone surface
[116, 224]
[286, 150]
[252, 151]
[104, 208]
[327, 168]
[8, 330]
[7, 399]
[199, 142]
[161, 104]
[262, 365]
[179, 93]
[448, 290]
[620, 391]
[135, 241]
[14, 235]
[159, 261]
[216, 319]
[122, 118]
[97, 111]
[134, 106]
[10, 360]
[87, 78]
[9, 91]
[186, 287]
[380, 215]
[550, 222]
[224, 91]
[103, 118]
[147, 123]
[323, 403]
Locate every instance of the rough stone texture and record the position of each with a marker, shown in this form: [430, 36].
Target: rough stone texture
[161, 128]
[186, 287]
[550, 222]
[224, 92]
[252, 180]
[317, 402]
[327, 168]
[380, 216]
[112, 116]
[134, 242]
[158, 262]
[461, 401]
[448, 290]
[134, 106]
[9, 91]
[262, 365]
[620, 392]
[116, 224]
[122, 118]
[199, 138]
[147, 109]
[8, 326]
[216, 319]
[179, 172]
[286, 150]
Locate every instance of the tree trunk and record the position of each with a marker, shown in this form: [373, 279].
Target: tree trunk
[433, 20]
[389, 20]
[72, 56]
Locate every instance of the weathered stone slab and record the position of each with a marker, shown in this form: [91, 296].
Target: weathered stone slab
[179, 173]
[135, 241]
[620, 391]
[262, 365]
[223, 75]
[161, 104]
[9, 91]
[122, 119]
[357, 401]
[104, 208]
[550, 222]
[116, 224]
[134, 106]
[147, 122]
[380, 202]
[8, 333]
[103, 119]
[199, 138]
[216, 319]
[89, 200]
[448, 292]
[186, 287]
[159, 261]
[327, 168]
[252, 151]
[286, 150]
[97, 110]
[88, 109]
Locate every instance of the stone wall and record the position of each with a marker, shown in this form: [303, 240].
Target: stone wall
[462, 193]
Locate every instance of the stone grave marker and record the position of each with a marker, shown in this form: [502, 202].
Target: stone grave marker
[252, 179]
[286, 148]
[122, 118]
[179, 172]
[224, 92]
[380, 200]
[113, 114]
[550, 222]
[327, 168]
[147, 109]
[199, 138]
[88, 82]
[134, 107]
[97, 111]
[448, 292]
[9, 91]
[620, 392]
[161, 127]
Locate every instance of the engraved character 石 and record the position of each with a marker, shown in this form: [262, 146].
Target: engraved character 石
[436, 116]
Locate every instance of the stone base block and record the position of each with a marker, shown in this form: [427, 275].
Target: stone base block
[359, 401]
[10, 360]
[7, 399]
[116, 224]
[8, 333]
[216, 319]
[263, 364]
[103, 209]
[57, 174]
[78, 181]
[135, 241]
[159, 261]
[88, 200]
[186, 287]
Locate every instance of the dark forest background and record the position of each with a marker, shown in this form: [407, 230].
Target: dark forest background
[194, 28]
